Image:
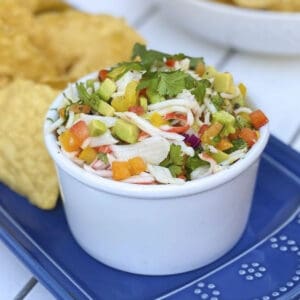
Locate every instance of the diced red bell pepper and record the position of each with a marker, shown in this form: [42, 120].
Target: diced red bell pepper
[139, 110]
[102, 75]
[104, 149]
[170, 62]
[179, 129]
[175, 116]
[258, 119]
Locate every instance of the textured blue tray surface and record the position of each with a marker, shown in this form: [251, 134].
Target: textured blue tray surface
[265, 264]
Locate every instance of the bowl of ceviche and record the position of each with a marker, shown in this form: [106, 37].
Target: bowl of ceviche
[156, 159]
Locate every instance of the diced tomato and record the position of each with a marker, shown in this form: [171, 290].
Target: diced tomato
[175, 116]
[202, 129]
[102, 75]
[258, 119]
[249, 136]
[179, 129]
[143, 92]
[104, 149]
[139, 110]
[69, 141]
[80, 130]
[170, 62]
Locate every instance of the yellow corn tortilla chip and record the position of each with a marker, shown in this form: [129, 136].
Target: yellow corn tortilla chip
[78, 43]
[19, 57]
[25, 165]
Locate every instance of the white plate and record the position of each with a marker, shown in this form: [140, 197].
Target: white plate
[240, 28]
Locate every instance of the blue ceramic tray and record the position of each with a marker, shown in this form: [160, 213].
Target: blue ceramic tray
[265, 264]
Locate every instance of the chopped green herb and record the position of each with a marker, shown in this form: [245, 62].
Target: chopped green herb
[200, 91]
[237, 145]
[103, 157]
[167, 84]
[51, 120]
[174, 161]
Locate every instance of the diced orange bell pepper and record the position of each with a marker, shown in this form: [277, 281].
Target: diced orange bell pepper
[200, 68]
[80, 130]
[120, 170]
[224, 144]
[88, 155]
[258, 119]
[137, 165]
[212, 131]
[69, 141]
[249, 136]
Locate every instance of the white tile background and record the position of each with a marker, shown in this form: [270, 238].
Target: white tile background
[273, 84]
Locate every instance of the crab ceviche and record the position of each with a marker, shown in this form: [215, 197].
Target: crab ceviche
[157, 119]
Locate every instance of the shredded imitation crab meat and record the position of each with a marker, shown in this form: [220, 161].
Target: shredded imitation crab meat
[158, 119]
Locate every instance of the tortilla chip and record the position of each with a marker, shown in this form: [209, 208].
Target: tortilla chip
[78, 43]
[25, 165]
[18, 55]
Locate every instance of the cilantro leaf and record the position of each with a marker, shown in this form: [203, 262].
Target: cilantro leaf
[190, 82]
[192, 163]
[175, 170]
[171, 83]
[175, 155]
[151, 57]
[200, 91]
[237, 145]
[148, 57]
[174, 161]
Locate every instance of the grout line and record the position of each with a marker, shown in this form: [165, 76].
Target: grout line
[295, 136]
[144, 18]
[26, 289]
[225, 59]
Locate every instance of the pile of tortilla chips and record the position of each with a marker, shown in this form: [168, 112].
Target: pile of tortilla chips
[44, 44]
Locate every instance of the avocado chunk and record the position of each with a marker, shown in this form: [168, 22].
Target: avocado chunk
[105, 109]
[126, 131]
[107, 88]
[96, 128]
[210, 72]
[144, 103]
[223, 83]
[219, 156]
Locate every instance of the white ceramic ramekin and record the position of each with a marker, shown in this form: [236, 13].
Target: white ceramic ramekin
[156, 229]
